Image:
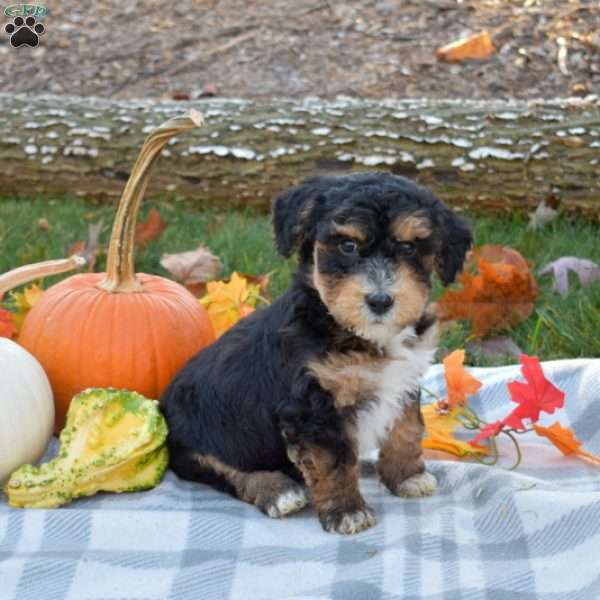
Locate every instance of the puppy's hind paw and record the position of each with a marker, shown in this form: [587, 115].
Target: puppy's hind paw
[349, 522]
[287, 502]
[422, 484]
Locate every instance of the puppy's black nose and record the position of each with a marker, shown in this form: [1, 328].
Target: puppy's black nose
[379, 303]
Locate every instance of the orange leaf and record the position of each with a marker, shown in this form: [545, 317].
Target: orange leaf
[150, 229]
[7, 325]
[499, 297]
[439, 427]
[478, 45]
[564, 439]
[458, 382]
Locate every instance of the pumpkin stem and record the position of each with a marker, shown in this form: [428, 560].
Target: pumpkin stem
[120, 269]
[28, 273]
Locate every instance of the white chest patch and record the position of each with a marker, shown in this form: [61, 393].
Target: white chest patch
[410, 357]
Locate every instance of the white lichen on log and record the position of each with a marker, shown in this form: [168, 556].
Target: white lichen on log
[480, 154]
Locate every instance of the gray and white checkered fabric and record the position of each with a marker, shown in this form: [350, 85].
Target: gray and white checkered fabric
[489, 532]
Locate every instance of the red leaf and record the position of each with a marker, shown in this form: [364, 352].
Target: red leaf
[150, 229]
[7, 325]
[535, 396]
[490, 430]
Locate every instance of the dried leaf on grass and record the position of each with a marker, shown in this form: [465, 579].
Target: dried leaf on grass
[496, 348]
[476, 46]
[193, 268]
[541, 216]
[587, 271]
[89, 248]
[149, 230]
[499, 296]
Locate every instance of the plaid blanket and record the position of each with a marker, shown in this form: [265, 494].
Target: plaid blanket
[489, 532]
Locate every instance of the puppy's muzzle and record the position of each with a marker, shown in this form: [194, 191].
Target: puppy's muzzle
[379, 303]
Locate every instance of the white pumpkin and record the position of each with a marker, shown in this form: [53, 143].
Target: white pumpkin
[26, 408]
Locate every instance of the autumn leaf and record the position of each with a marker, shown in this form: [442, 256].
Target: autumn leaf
[534, 396]
[478, 46]
[228, 302]
[7, 325]
[193, 268]
[23, 302]
[544, 213]
[263, 282]
[496, 348]
[564, 439]
[500, 296]
[439, 429]
[458, 382]
[150, 229]
[587, 272]
[487, 431]
[89, 248]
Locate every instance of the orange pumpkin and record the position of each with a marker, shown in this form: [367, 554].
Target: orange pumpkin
[118, 329]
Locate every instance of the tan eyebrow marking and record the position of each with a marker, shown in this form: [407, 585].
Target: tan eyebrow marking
[351, 231]
[411, 227]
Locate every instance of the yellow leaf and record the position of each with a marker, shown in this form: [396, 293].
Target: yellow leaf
[439, 429]
[228, 302]
[24, 302]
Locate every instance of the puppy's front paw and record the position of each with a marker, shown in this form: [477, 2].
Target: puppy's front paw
[422, 484]
[287, 502]
[348, 522]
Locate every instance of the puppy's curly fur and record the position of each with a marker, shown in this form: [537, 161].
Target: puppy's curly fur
[278, 410]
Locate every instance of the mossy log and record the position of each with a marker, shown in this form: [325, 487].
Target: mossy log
[483, 155]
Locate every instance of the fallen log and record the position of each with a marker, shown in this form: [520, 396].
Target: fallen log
[482, 155]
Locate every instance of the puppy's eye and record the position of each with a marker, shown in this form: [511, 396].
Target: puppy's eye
[406, 248]
[348, 247]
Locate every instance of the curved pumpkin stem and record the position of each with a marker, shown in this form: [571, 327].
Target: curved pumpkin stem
[28, 273]
[120, 269]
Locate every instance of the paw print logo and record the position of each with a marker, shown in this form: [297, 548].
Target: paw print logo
[24, 31]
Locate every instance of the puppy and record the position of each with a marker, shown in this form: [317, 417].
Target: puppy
[279, 409]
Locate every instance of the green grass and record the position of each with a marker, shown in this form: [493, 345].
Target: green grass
[558, 328]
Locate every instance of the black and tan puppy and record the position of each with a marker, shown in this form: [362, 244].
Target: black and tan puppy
[278, 410]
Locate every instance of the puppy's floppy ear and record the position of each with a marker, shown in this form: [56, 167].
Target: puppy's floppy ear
[294, 215]
[456, 240]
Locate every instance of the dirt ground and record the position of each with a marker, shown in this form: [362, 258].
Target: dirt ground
[297, 48]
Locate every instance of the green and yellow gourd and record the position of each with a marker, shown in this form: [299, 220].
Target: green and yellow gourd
[113, 441]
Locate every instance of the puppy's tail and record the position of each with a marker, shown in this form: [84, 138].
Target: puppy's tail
[191, 466]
